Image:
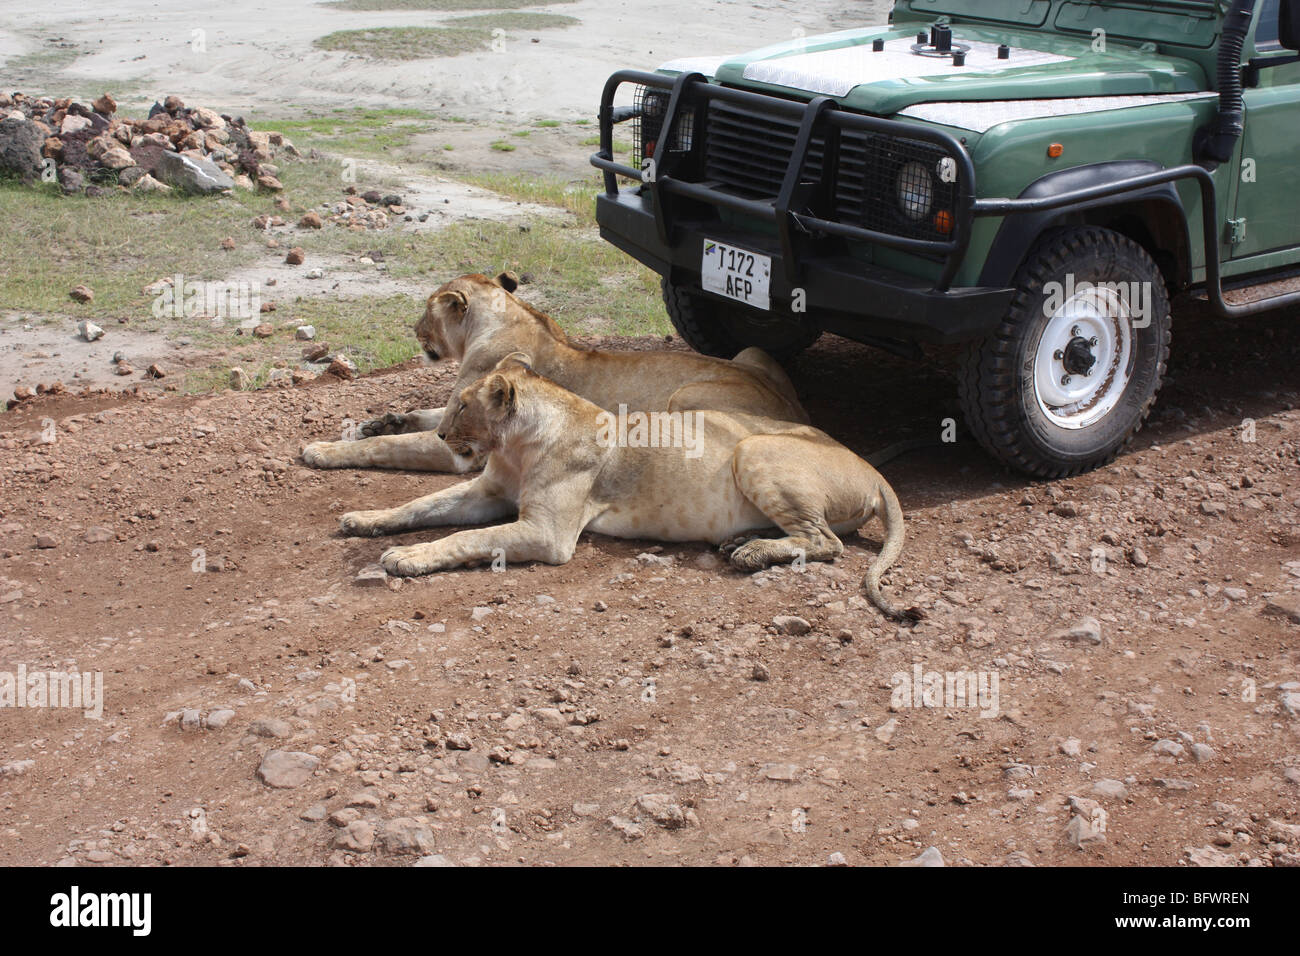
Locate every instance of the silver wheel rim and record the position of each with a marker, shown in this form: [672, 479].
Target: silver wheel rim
[1096, 320]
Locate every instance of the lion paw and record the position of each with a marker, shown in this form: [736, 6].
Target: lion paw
[406, 562]
[752, 555]
[730, 547]
[391, 424]
[361, 524]
[319, 454]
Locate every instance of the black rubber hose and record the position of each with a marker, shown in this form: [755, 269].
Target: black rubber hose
[1217, 141]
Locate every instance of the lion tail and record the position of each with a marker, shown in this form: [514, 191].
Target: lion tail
[892, 517]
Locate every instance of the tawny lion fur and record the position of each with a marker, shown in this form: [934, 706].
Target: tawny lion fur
[551, 473]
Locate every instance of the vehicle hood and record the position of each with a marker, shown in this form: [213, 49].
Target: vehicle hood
[844, 67]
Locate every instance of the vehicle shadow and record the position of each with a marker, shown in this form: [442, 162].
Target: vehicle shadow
[1221, 372]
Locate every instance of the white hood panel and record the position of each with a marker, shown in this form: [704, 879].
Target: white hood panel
[837, 72]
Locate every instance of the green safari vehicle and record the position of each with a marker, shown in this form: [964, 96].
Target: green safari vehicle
[1029, 179]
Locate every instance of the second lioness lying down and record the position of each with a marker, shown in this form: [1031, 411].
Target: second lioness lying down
[478, 321]
[558, 465]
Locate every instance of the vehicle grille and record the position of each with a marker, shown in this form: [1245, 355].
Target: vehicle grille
[748, 152]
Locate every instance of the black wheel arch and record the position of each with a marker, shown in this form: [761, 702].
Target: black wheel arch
[1154, 218]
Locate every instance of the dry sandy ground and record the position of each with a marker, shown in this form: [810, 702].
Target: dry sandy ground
[260, 55]
[641, 704]
[645, 704]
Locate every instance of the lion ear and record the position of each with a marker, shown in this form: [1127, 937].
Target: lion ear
[501, 395]
[515, 358]
[455, 300]
[508, 281]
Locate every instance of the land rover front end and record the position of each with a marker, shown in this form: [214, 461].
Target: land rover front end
[1030, 180]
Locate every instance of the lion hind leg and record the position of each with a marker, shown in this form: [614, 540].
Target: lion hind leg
[770, 369]
[789, 498]
[743, 398]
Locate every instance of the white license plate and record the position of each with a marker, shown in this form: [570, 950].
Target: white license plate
[737, 274]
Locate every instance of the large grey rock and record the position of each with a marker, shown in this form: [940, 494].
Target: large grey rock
[661, 809]
[406, 835]
[192, 175]
[285, 770]
[20, 148]
[930, 858]
[270, 727]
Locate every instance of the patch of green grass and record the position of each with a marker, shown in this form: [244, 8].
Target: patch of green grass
[584, 282]
[546, 123]
[461, 35]
[119, 243]
[115, 244]
[406, 43]
[514, 21]
[591, 140]
[37, 64]
[501, 146]
[375, 332]
[352, 132]
[448, 5]
[521, 133]
[578, 198]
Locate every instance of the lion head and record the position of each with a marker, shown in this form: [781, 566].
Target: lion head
[478, 418]
[443, 330]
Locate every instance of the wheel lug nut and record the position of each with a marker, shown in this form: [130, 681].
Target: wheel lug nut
[1093, 340]
[1074, 330]
[1058, 355]
[1065, 380]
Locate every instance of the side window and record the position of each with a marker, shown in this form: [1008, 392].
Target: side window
[1266, 34]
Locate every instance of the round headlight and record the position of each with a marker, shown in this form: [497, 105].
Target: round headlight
[915, 190]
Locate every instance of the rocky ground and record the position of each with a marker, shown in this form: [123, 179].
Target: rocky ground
[87, 147]
[268, 701]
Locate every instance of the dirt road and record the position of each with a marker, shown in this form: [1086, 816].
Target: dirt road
[1129, 631]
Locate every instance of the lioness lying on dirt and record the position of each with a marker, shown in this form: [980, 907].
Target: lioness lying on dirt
[560, 465]
[478, 322]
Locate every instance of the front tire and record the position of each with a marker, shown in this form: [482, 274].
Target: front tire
[1071, 373]
[713, 327]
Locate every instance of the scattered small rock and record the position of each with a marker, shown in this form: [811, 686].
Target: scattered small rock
[89, 331]
[791, 625]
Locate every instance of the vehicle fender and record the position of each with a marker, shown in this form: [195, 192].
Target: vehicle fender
[1018, 232]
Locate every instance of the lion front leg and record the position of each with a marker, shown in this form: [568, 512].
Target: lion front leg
[473, 502]
[419, 451]
[519, 541]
